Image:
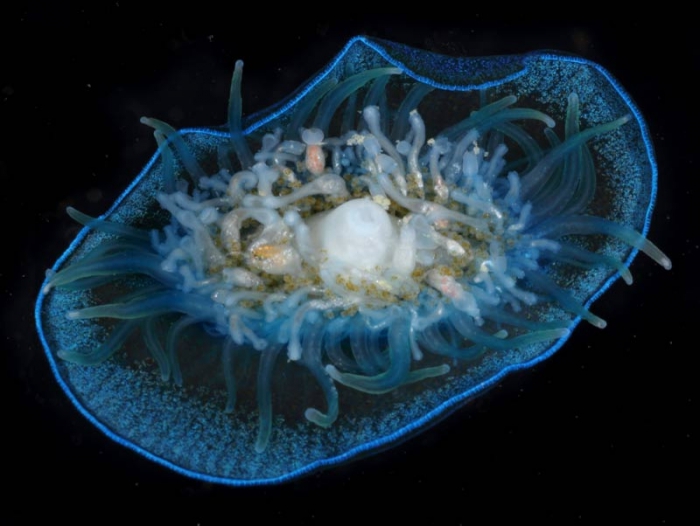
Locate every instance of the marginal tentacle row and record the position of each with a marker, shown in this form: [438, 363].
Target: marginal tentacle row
[378, 255]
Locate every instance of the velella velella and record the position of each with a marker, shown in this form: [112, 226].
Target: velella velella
[333, 273]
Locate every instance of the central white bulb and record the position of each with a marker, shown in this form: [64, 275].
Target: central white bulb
[358, 235]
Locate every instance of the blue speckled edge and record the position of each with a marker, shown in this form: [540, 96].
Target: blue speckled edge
[443, 408]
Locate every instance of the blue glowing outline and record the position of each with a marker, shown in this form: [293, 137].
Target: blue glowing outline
[446, 406]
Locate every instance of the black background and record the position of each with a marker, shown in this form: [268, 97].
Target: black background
[600, 431]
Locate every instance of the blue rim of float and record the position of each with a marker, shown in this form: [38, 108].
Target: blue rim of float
[447, 406]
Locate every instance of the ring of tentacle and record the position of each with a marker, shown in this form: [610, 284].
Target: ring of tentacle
[361, 251]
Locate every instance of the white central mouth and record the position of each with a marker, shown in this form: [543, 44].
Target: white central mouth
[358, 234]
